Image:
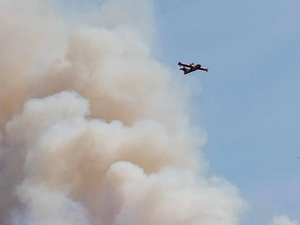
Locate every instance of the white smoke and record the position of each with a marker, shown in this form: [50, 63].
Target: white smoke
[283, 220]
[94, 130]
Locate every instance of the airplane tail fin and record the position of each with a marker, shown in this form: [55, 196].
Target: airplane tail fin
[205, 69]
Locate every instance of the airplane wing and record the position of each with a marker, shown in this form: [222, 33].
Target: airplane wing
[188, 71]
[185, 65]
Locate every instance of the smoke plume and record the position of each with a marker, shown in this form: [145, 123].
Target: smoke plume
[283, 220]
[94, 131]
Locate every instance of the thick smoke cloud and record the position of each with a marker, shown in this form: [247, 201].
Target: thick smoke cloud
[93, 129]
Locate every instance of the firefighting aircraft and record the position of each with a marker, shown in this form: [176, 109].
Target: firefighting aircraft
[188, 68]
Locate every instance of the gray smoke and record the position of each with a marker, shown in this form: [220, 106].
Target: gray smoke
[283, 220]
[94, 131]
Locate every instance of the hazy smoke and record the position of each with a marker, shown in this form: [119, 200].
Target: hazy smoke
[283, 220]
[93, 130]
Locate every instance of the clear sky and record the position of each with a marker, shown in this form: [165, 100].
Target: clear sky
[249, 103]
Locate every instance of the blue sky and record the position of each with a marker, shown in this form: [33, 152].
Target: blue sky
[249, 103]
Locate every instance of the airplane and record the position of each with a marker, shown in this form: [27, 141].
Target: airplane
[188, 68]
